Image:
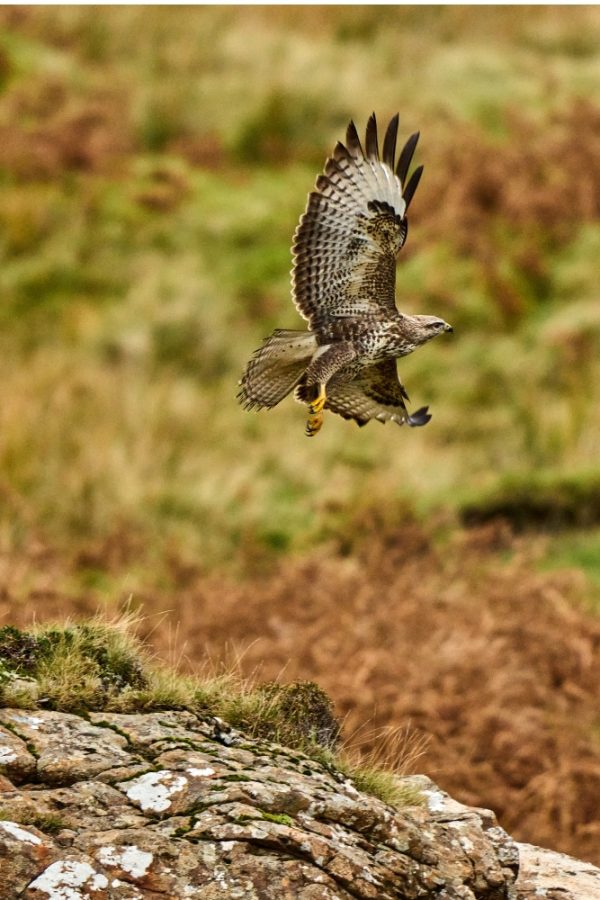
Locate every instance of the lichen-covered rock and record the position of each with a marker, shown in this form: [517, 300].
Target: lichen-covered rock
[23, 850]
[168, 805]
[546, 875]
[15, 759]
[67, 748]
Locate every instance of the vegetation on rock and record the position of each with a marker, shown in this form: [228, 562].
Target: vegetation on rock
[94, 666]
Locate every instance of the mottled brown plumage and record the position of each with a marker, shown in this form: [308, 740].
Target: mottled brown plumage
[343, 284]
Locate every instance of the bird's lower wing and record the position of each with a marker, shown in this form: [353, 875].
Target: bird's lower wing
[376, 393]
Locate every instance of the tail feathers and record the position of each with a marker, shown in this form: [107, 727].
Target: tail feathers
[276, 368]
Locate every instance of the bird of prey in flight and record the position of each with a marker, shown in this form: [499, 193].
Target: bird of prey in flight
[343, 283]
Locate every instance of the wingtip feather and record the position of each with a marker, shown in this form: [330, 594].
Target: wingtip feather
[353, 141]
[389, 142]
[408, 151]
[371, 138]
[412, 185]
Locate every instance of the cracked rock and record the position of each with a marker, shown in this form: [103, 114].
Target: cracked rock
[137, 807]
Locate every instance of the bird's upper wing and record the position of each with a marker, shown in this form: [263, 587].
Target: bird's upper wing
[347, 240]
[376, 393]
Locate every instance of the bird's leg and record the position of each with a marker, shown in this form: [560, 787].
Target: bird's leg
[328, 360]
[316, 405]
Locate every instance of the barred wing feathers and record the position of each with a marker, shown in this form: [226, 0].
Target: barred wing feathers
[355, 223]
[376, 393]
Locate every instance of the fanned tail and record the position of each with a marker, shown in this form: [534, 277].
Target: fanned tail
[276, 368]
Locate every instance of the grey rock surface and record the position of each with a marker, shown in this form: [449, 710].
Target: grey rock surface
[160, 805]
[546, 875]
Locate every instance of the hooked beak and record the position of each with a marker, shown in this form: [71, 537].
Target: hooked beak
[449, 328]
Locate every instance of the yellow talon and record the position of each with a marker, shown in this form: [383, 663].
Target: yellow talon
[314, 424]
[317, 405]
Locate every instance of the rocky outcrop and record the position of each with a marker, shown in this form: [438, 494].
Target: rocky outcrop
[167, 805]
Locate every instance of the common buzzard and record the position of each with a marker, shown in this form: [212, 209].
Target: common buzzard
[343, 284]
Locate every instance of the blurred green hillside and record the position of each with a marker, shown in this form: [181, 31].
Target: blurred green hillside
[153, 166]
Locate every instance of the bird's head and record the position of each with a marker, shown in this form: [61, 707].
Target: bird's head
[426, 327]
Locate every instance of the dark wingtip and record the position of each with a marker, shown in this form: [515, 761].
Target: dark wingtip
[353, 141]
[389, 142]
[412, 185]
[371, 144]
[408, 151]
[420, 417]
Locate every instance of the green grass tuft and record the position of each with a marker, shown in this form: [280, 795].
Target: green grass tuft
[74, 667]
[299, 713]
[279, 819]
[385, 785]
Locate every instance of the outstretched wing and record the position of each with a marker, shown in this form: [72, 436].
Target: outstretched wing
[355, 223]
[376, 393]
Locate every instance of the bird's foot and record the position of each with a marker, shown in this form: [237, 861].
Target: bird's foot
[314, 424]
[318, 403]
